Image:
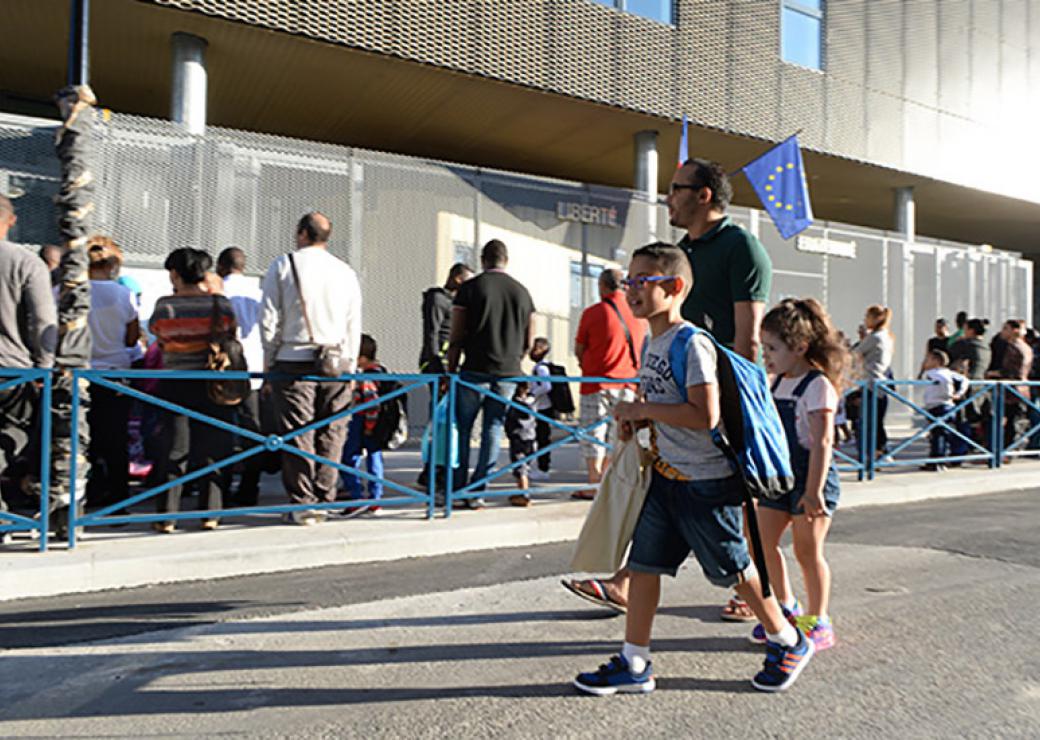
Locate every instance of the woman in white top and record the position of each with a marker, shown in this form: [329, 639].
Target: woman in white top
[115, 332]
[875, 353]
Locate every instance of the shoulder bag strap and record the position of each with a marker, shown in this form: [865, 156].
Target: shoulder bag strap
[628, 334]
[303, 303]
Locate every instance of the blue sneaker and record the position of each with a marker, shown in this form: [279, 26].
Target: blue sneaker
[758, 635]
[783, 664]
[616, 677]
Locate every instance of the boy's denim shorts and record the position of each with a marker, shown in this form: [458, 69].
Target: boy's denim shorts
[704, 517]
[791, 503]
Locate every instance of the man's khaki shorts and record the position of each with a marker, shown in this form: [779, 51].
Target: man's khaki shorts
[595, 406]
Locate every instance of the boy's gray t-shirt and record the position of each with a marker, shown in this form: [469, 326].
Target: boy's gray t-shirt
[690, 451]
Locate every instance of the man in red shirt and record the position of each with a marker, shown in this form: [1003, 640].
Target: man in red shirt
[607, 345]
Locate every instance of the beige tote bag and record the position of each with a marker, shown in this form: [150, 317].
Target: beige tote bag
[612, 518]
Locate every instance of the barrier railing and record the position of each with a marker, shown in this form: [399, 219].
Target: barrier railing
[270, 442]
[991, 402]
[1021, 434]
[858, 393]
[10, 380]
[948, 424]
[472, 489]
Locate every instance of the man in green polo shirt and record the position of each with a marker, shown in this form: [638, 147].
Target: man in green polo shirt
[732, 275]
[732, 272]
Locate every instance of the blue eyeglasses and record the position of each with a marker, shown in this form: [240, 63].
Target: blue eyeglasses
[640, 282]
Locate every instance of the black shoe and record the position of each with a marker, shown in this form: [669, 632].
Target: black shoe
[933, 467]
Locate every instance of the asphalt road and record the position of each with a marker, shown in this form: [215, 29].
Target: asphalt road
[933, 605]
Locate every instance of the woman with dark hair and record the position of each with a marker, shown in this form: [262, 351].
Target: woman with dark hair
[184, 324]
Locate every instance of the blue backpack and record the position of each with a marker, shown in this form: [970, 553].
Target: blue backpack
[751, 434]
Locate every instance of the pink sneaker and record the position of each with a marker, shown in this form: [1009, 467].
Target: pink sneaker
[821, 632]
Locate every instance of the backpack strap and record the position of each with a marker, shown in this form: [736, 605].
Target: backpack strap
[677, 352]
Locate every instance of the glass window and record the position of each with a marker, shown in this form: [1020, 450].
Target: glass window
[658, 10]
[662, 11]
[801, 33]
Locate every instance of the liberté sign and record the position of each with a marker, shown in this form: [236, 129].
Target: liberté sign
[587, 214]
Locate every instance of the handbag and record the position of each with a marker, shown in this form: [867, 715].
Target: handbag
[225, 353]
[329, 360]
[612, 518]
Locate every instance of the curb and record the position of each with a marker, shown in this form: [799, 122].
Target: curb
[110, 561]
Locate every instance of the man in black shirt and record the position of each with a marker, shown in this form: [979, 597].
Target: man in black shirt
[940, 342]
[491, 326]
[436, 319]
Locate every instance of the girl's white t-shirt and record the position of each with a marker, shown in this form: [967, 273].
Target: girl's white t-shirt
[819, 396]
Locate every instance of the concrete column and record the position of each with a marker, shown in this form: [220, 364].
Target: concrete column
[645, 168]
[905, 218]
[188, 102]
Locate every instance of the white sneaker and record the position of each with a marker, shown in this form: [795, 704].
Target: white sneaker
[538, 475]
[306, 517]
[6, 538]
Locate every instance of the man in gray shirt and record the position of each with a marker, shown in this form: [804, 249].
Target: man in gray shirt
[28, 335]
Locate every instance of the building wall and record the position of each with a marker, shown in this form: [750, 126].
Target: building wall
[904, 82]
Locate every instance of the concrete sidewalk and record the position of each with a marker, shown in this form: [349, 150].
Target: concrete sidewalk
[108, 558]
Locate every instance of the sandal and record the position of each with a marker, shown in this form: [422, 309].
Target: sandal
[737, 610]
[584, 495]
[592, 589]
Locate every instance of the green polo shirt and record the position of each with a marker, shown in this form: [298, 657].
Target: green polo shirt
[729, 265]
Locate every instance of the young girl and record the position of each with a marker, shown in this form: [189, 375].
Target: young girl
[803, 352]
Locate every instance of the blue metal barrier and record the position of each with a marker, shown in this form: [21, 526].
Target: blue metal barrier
[1016, 446]
[844, 462]
[572, 433]
[9, 521]
[978, 389]
[272, 442]
[991, 451]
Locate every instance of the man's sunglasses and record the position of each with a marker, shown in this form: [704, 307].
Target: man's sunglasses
[641, 282]
[676, 186]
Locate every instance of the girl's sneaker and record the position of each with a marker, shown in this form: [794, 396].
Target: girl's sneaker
[616, 677]
[820, 631]
[758, 635]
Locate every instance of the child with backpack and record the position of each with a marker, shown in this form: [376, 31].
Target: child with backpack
[804, 353]
[363, 438]
[521, 431]
[543, 404]
[694, 500]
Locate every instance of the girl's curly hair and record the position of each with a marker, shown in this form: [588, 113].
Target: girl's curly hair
[796, 320]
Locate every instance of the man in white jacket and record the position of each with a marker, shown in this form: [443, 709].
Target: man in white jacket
[327, 288]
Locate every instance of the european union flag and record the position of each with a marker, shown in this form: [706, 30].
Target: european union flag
[778, 178]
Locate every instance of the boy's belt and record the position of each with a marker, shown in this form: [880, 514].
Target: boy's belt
[667, 471]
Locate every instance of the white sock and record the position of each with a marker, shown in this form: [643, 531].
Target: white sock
[788, 636]
[789, 605]
[637, 656]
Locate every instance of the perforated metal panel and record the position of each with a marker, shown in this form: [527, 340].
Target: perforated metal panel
[904, 81]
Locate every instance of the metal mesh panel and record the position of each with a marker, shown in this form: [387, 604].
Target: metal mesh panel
[161, 189]
[28, 166]
[854, 284]
[885, 60]
[413, 216]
